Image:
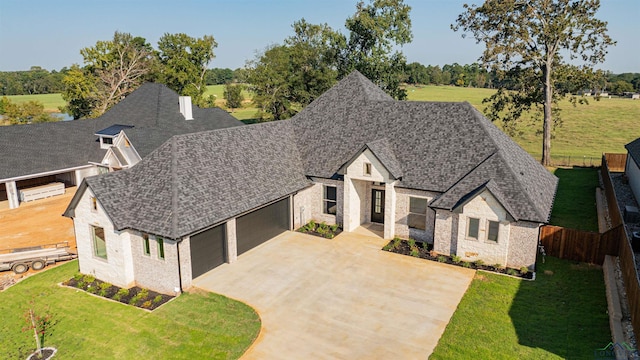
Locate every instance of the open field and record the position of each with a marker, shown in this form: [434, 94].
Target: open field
[89, 327]
[588, 130]
[560, 315]
[51, 102]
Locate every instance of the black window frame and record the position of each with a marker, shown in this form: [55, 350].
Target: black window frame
[327, 202]
[416, 216]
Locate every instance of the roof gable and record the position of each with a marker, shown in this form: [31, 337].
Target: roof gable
[383, 153]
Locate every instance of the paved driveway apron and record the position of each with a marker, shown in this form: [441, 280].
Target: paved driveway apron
[340, 299]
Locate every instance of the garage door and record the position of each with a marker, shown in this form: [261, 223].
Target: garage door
[207, 250]
[261, 225]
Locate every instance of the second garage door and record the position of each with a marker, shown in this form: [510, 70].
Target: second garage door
[207, 250]
[261, 225]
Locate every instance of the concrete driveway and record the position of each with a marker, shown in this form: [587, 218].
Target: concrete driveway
[341, 299]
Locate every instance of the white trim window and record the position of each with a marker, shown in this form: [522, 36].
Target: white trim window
[330, 199]
[417, 218]
[493, 230]
[473, 228]
[99, 242]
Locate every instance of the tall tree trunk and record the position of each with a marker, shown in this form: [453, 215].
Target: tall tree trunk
[546, 126]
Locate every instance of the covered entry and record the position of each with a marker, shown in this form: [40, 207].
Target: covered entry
[207, 250]
[261, 225]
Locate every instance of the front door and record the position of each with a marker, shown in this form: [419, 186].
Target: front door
[377, 206]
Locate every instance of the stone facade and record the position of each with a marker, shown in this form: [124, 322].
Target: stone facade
[402, 215]
[515, 247]
[118, 267]
[308, 204]
[151, 271]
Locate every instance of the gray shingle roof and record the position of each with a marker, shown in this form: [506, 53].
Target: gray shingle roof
[633, 148]
[153, 109]
[197, 180]
[113, 130]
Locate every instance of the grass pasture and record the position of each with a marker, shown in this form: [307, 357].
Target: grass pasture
[192, 326]
[51, 102]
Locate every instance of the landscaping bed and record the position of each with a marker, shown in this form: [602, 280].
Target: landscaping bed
[425, 251]
[321, 229]
[136, 296]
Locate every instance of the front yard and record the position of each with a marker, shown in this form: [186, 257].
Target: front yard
[560, 315]
[192, 326]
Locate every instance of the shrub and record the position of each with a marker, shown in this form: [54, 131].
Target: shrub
[92, 289]
[524, 270]
[479, 262]
[396, 242]
[88, 279]
[312, 225]
[512, 272]
[157, 299]
[387, 247]
[415, 252]
[143, 294]
[425, 245]
[120, 294]
[334, 228]
[78, 277]
[412, 243]
[456, 259]
[80, 284]
[433, 253]
[104, 287]
[498, 266]
[146, 304]
[466, 264]
[441, 258]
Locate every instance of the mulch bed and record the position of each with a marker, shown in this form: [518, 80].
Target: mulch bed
[424, 251]
[136, 296]
[321, 230]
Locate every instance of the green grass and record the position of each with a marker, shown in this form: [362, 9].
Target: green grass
[575, 203]
[560, 315]
[192, 326]
[51, 102]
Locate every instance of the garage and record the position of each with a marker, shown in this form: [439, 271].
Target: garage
[261, 225]
[207, 250]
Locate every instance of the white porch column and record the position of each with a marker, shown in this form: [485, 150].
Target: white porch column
[12, 194]
[351, 206]
[232, 241]
[389, 210]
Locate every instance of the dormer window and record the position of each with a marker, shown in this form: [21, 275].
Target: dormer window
[108, 135]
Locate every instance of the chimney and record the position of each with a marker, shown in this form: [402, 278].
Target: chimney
[185, 107]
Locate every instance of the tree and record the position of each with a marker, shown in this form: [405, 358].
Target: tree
[25, 113]
[529, 40]
[120, 66]
[374, 30]
[288, 77]
[183, 63]
[113, 69]
[233, 95]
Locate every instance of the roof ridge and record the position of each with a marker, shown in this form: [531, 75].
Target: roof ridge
[174, 188]
[157, 120]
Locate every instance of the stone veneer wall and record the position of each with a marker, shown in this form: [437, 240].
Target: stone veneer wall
[151, 271]
[308, 204]
[445, 235]
[118, 267]
[402, 229]
[523, 244]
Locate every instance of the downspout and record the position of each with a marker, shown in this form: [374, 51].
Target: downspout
[179, 270]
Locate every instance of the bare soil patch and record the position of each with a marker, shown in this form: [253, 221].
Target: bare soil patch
[37, 223]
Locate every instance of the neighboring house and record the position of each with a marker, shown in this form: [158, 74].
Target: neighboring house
[68, 151]
[435, 172]
[632, 168]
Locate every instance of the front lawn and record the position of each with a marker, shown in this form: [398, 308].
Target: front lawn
[192, 326]
[575, 203]
[561, 315]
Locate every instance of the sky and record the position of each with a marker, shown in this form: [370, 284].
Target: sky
[50, 33]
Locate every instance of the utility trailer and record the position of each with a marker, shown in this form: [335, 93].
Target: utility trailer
[20, 260]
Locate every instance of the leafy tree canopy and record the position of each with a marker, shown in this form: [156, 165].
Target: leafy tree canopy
[528, 41]
[25, 113]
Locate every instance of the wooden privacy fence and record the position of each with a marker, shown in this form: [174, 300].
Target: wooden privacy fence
[578, 245]
[615, 162]
[625, 252]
